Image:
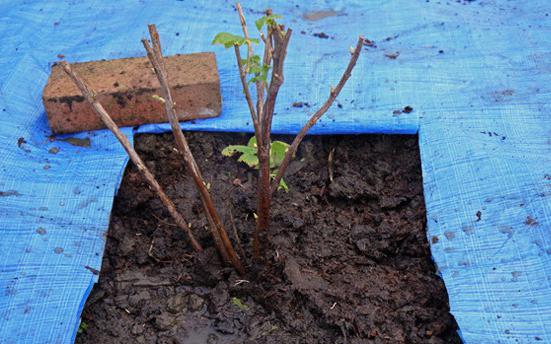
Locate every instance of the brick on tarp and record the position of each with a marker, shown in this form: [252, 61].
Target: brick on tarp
[125, 88]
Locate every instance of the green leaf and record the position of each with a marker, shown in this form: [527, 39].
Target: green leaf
[250, 159]
[158, 98]
[232, 149]
[252, 142]
[251, 64]
[260, 22]
[262, 75]
[277, 153]
[270, 20]
[239, 304]
[228, 40]
[248, 154]
[282, 185]
[82, 327]
[255, 59]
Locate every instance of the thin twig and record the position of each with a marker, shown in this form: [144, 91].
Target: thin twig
[150, 251]
[280, 51]
[255, 115]
[259, 83]
[247, 92]
[330, 158]
[261, 86]
[245, 32]
[163, 221]
[219, 234]
[316, 116]
[267, 47]
[90, 96]
[239, 282]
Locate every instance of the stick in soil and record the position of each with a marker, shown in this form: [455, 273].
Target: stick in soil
[220, 236]
[90, 96]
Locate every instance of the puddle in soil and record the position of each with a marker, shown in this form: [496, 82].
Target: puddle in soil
[201, 331]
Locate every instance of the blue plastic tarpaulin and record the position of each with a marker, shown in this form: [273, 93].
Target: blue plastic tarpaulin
[476, 73]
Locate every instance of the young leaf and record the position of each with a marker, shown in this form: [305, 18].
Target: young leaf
[248, 154]
[252, 142]
[228, 40]
[260, 22]
[254, 64]
[82, 327]
[282, 185]
[261, 75]
[277, 153]
[250, 159]
[158, 98]
[270, 20]
[239, 304]
[232, 149]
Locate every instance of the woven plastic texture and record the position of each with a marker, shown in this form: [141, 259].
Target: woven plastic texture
[475, 72]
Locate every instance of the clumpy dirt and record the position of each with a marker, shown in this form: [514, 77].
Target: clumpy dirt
[348, 260]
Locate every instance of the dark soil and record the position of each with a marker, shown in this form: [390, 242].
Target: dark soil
[349, 260]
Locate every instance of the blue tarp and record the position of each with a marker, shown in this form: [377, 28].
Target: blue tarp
[476, 73]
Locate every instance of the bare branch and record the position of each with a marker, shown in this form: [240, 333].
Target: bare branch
[261, 87]
[267, 47]
[248, 97]
[155, 40]
[316, 116]
[261, 84]
[280, 51]
[245, 32]
[243, 74]
[90, 96]
[219, 234]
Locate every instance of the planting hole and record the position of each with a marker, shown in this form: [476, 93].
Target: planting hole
[348, 261]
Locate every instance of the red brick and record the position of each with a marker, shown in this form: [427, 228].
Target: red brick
[125, 88]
